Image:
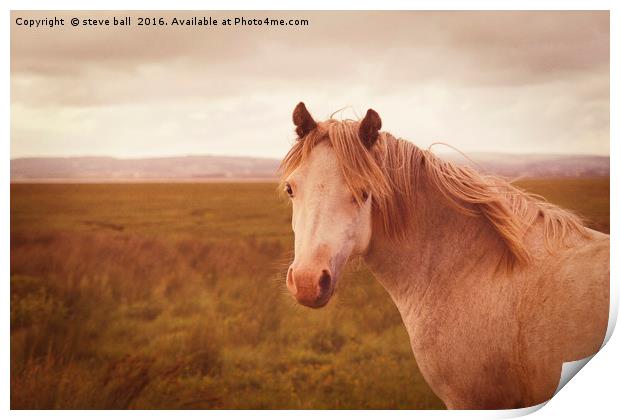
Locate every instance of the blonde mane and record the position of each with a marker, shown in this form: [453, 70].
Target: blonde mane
[392, 169]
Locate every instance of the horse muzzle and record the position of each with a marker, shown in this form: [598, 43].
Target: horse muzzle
[312, 288]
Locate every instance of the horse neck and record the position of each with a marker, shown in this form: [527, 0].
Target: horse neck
[444, 250]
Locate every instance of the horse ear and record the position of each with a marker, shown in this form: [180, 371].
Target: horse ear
[303, 120]
[369, 128]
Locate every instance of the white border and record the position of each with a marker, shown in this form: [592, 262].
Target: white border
[310, 5]
[592, 393]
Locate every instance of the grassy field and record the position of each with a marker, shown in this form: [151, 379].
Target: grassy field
[171, 296]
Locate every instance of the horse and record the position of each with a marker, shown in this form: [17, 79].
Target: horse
[495, 286]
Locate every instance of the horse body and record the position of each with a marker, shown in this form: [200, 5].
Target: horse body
[489, 339]
[496, 288]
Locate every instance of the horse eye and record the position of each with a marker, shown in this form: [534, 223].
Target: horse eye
[288, 189]
[364, 197]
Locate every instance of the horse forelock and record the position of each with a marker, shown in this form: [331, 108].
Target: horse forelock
[393, 168]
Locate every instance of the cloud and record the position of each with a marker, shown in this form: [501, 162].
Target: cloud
[470, 75]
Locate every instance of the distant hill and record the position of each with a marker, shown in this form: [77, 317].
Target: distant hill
[186, 167]
[535, 165]
[226, 167]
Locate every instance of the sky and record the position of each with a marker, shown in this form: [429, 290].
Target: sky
[514, 82]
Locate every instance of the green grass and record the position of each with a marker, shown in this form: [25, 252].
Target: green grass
[171, 296]
[588, 197]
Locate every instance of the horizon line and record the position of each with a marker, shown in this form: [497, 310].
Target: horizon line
[277, 158]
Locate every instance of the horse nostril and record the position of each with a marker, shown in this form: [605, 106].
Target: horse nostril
[290, 283]
[325, 281]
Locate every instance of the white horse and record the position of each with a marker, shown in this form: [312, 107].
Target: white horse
[496, 287]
